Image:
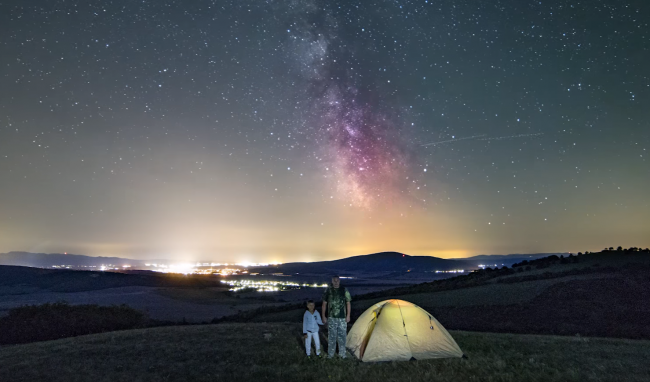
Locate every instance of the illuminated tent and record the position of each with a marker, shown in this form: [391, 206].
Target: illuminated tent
[396, 330]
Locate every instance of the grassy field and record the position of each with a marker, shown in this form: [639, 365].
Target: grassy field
[210, 296]
[237, 352]
[492, 294]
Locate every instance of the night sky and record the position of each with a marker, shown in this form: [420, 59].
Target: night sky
[306, 130]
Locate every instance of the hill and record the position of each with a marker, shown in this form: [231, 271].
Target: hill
[378, 262]
[263, 352]
[63, 280]
[47, 260]
[506, 260]
[373, 263]
[604, 294]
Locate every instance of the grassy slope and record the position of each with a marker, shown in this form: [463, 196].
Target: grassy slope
[609, 298]
[235, 352]
[209, 296]
[69, 281]
[492, 294]
[600, 259]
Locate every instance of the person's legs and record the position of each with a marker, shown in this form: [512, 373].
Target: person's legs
[308, 344]
[316, 342]
[342, 332]
[331, 337]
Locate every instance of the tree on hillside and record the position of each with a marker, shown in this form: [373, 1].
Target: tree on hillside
[619, 248]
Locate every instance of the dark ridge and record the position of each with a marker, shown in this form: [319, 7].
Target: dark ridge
[376, 262]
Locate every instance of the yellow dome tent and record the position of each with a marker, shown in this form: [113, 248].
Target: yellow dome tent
[396, 330]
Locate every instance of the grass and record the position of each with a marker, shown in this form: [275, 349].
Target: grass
[207, 296]
[238, 352]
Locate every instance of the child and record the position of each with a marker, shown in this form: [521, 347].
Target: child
[310, 322]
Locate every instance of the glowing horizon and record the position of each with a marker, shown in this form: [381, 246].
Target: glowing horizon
[307, 131]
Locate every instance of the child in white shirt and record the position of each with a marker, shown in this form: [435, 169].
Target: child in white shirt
[310, 321]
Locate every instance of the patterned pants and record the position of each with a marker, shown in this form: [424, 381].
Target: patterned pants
[336, 332]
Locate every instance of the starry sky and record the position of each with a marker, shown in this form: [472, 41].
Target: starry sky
[304, 130]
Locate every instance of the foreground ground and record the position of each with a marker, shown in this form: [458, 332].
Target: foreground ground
[260, 352]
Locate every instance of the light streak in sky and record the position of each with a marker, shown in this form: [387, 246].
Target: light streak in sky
[453, 140]
[512, 136]
[483, 137]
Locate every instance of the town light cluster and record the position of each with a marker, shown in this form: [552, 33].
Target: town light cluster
[483, 266]
[224, 269]
[103, 267]
[268, 285]
[452, 271]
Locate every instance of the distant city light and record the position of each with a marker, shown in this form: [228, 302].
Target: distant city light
[452, 271]
[223, 269]
[268, 285]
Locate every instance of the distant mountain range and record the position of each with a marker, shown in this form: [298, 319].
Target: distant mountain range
[399, 262]
[47, 260]
[376, 262]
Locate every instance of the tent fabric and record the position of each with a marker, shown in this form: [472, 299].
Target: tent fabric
[397, 330]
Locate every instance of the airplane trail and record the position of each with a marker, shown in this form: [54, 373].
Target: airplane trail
[482, 138]
[453, 140]
[512, 136]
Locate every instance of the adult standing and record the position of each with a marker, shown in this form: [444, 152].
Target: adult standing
[336, 314]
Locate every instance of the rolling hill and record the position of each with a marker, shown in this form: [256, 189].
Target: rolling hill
[603, 294]
[507, 260]
[378, 262]
[64, 280]
[47, 260]
[373, 263]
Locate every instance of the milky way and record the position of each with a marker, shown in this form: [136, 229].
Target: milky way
[361, 137]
